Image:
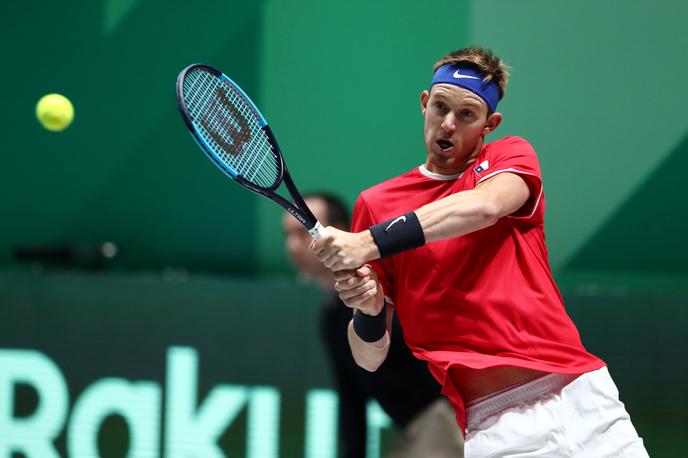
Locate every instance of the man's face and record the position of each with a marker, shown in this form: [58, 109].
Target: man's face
[297, 240]
[456, 122]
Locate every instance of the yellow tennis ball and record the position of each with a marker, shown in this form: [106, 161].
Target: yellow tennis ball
[55, 112]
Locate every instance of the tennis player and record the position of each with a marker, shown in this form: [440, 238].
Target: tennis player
[402, 385]
[457, 249]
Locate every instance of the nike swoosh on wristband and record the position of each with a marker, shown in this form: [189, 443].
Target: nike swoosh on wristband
[458, 75]
[401, 218]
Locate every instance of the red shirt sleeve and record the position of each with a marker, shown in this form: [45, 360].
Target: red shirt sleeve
[362, 219]
[515, 155]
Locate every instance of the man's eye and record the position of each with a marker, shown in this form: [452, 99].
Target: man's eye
[441, 106]
[467, 113]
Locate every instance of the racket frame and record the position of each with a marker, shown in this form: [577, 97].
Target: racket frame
[298, 209]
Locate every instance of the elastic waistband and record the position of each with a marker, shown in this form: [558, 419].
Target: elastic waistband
[526, 393]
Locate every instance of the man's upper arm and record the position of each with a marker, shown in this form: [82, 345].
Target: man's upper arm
[515, 156]
[507, 191]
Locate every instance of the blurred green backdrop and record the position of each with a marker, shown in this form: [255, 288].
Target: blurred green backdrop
[597, 88]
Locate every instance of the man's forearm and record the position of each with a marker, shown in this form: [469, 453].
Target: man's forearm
[452, 216]
[457, 215]
[368, 355]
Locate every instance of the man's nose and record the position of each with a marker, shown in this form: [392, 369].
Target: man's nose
[449, 123]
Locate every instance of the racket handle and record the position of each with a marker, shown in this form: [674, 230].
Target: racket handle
[318, 231]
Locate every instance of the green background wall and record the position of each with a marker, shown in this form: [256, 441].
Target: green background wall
[126, 170]
[597, 87]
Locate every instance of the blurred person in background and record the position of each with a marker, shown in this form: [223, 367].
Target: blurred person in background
[402, 385]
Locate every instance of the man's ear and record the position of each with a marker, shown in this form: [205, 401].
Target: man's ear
[493, 121]
[424, 96]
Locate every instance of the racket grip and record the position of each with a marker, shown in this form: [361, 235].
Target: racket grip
[318, 231]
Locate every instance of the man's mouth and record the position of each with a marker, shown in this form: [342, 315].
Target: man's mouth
[444, 144]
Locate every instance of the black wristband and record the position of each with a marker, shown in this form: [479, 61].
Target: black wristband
[398, 234]
[371, 328]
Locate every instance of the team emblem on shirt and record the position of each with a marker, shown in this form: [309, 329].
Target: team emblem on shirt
[482, 167]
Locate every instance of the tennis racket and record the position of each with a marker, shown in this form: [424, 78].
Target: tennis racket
[231, 131]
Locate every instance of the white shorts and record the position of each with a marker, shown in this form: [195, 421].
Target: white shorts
[553, 416]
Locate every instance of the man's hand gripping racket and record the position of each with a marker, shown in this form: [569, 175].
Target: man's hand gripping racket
[359, 289]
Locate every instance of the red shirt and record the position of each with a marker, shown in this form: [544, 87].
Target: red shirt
[484, 299]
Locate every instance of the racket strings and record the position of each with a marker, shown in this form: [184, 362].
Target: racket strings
[230, 127]
[214, 117]
[248, 164]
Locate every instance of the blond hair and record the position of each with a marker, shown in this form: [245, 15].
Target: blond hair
[482, 60]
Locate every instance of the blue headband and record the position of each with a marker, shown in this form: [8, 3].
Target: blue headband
[470, 79]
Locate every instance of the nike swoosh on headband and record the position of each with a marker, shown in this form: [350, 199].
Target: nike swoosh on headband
[458, 75]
